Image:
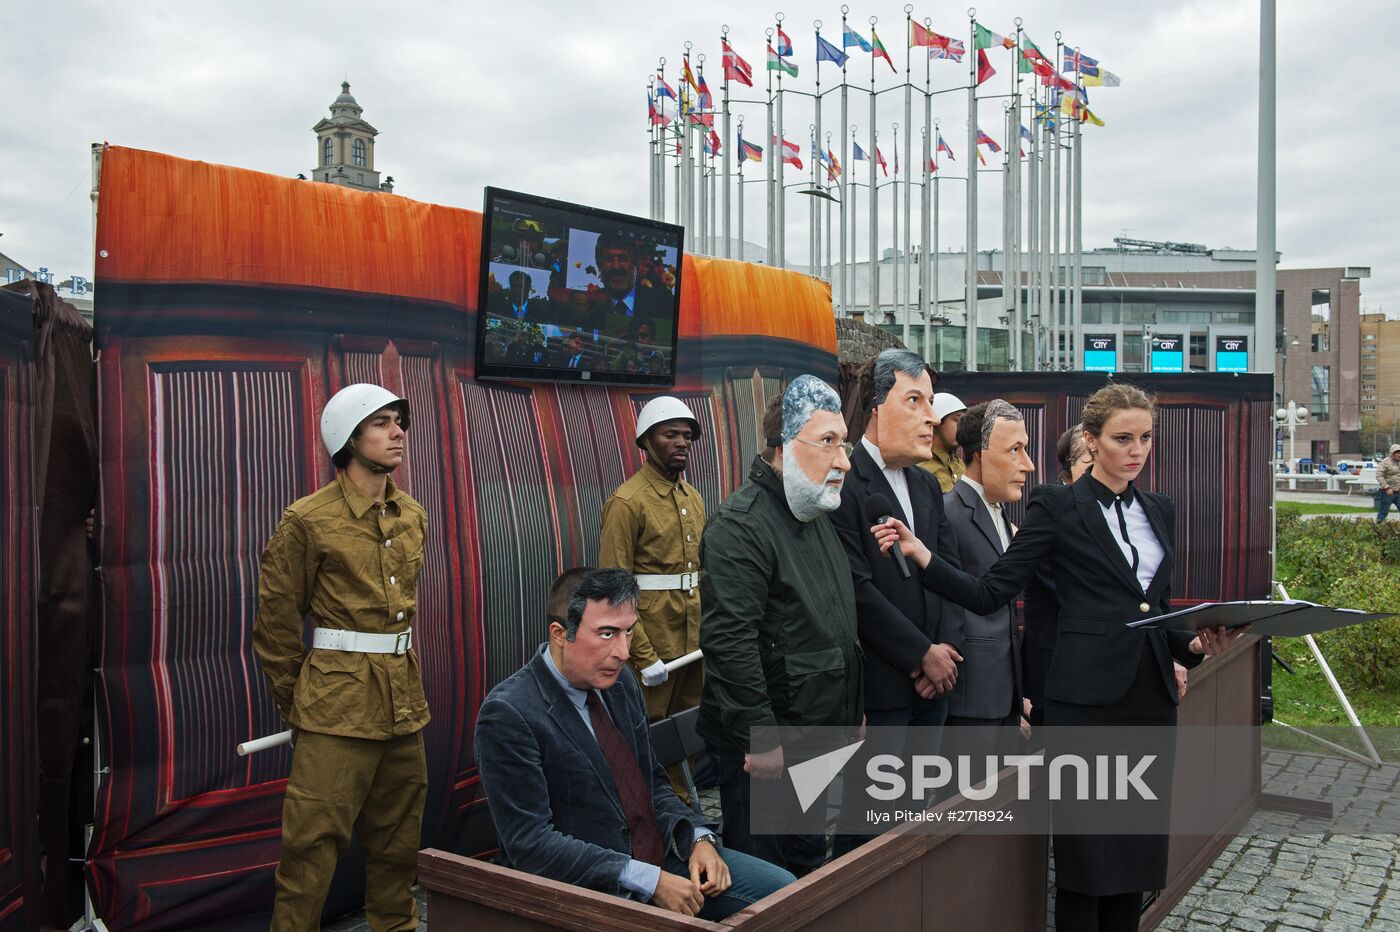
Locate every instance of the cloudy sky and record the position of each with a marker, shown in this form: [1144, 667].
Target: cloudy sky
[547, 97]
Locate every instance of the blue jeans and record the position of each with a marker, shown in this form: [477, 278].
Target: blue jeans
[750, 880]
[1383, 502]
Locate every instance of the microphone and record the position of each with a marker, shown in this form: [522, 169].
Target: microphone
[878, 504]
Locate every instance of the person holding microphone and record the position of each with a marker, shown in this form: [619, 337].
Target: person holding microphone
[1108, 547]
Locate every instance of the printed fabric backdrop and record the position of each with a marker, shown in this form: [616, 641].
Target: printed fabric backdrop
[231, 305]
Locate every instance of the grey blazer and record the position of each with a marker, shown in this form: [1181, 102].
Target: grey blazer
[549, 788]
[989, 680]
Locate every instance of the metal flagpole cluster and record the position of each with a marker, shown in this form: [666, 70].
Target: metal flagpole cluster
[1041, 259]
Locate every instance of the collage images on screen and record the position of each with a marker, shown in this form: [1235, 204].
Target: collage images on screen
[568, 291]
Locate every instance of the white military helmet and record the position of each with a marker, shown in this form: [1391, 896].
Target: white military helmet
[665, 408]
[351, 405]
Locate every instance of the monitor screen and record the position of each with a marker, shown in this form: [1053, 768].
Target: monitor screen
[574, 293]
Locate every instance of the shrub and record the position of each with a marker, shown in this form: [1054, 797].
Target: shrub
[1366, 655]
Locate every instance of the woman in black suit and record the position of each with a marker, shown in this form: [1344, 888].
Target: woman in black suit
[1108, 547]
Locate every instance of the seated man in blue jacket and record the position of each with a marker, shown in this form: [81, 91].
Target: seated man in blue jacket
[574, 789]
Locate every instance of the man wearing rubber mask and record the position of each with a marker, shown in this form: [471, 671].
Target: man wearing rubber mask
[348, 557]
[778, 623]
[651, 528]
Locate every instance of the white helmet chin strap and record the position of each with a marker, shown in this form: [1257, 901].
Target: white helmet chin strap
[366, 462]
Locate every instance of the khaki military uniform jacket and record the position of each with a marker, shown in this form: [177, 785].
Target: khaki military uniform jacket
[947, 468]
[653, 526]
[345, 562]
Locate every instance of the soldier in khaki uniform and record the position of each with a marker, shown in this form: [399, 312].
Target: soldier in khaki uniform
[651, 528]
[349, 556]
[947, 467]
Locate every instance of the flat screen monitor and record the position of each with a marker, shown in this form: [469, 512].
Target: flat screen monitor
[573, 293]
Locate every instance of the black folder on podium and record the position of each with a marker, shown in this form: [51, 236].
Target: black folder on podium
[1290, 618]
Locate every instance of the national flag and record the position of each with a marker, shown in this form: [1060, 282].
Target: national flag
[984, 38]
[944, 147]
[1032, 55]
[1087, 115]
[984, 67]
[879, 49]
[1056, 80]
[932, 165]
[828, 52]
[949, 49]
[657, 117]
[784, 44]
[1025, 134]
[918, 35]
[663, 89]
[859, 153]
[712, 143]
[748, 152]
[735, 68]
[779, 64]
[688, 75]
[706, 102]
[702, 119]
[833, 164]
[791, 152]
[880, 159]
[984, 140]
[687, 101]
[1076, 60]
[850, 37]
[1042, 68]
[1104, 78]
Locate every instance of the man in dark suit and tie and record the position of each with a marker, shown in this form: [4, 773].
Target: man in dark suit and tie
[573, 787]
[912, 644]
[992, 437]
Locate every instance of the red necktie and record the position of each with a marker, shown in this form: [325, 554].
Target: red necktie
[633, 791]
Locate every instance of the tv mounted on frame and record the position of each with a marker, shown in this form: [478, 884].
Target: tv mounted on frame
[576, 294]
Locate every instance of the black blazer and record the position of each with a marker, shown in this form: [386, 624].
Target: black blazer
[897, 619]
[1096, 655]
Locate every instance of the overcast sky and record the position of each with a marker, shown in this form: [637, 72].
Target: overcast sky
[548, 97]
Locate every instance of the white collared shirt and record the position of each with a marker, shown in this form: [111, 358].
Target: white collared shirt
[993, 509]
[1140, 534]
[896, 479]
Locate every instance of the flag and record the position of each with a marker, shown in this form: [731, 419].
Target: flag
[880, 159]
[833, 165]
[984, 140]
[688, 75]
[1031, 55]
[859, 153]
[879, 49]
[657, 117]
[1076, 60]
[984, 67]
[828, 52]
[980, 157]
[918, 35]
[932, 165]
[896, 160]
[1025, 134]
[850, 37]
[784, 43]
[1104, 78]
[1056, 80]
[1087, 115]
[984, 38]
[706, 102]
[663, 89]
[944, 147]
[708, 143]
[791, 152]
[946, 47]
[702, 119]
[748, 152]
[735, 68]
[779, 64]
[687, 101]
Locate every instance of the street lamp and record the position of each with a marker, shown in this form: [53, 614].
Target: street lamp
[1292, 417]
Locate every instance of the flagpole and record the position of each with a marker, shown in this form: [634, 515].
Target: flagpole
[725, 143]
[740, 193]
[925, 288]
[1060, 355]
[1046, 148]
[854, 222]
[1078, 223]
[1265, 275]
[907, 304]
[843, 308]
[970, 293]
[1017, 360]
[816, 236]
[1033, 240]
[687, 179]
[896, 307]
[933, 272]
[1007, 226]
[873, 234]
[813, 243]
[651, 149]
[774, 149]
[702, 186]
[827, 252]
[781, 167]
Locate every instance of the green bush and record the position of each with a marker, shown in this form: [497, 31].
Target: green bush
[1349, 564]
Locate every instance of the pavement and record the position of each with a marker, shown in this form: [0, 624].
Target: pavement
[1272, 877]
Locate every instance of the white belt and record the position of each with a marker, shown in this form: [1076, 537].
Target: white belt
[654, 581]
[362, 642]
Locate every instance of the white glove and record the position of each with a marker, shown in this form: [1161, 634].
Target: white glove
[655, 674]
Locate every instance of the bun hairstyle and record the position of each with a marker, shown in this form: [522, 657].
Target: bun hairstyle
[1068, 449]
[1114, 397]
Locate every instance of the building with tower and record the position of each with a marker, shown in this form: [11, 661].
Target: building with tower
[345, 147]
